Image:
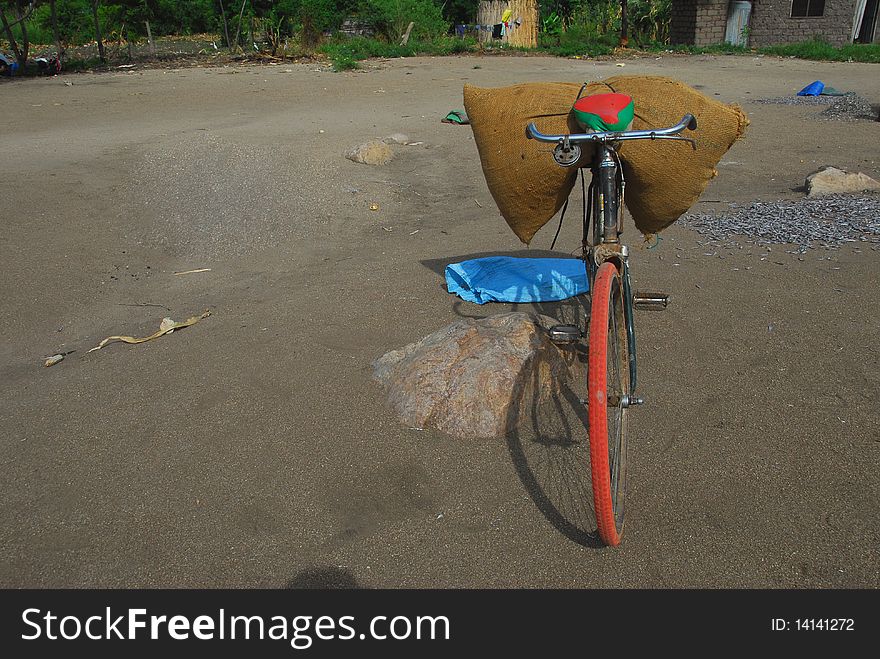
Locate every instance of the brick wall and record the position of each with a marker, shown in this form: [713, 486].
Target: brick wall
[698, 22]
[771, 23]
[704, 22]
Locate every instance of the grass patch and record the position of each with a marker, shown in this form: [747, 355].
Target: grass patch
[343, 62]
[346, 53]
[714, 49]
[814, 49]
[817, 49]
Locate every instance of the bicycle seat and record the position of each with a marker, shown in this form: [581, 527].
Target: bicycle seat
[604, 112]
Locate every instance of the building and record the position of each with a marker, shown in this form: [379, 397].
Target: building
[762, 23]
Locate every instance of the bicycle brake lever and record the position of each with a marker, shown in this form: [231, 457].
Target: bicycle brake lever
[692, 141]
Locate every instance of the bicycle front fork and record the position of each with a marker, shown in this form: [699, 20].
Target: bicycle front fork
[608, 198]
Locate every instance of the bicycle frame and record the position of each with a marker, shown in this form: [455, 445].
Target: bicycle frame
[606, 206]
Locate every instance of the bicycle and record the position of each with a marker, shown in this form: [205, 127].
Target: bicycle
[611, 349]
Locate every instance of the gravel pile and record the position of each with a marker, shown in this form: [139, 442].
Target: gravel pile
[829, 221]
[798, 100]
[849, 107]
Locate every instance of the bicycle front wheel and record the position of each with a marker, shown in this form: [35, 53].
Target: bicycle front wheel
[607, 386]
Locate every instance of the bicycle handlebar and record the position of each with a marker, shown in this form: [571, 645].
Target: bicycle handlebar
[671, 133]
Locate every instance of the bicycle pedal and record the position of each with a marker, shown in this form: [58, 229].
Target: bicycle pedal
[565, 334]
[650, 301]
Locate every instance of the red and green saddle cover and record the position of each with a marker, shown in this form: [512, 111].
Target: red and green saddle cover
[604, 112]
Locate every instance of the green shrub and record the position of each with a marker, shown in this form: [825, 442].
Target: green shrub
[578, 42]
[390, 18]
[649, 20]
[343, 62]
[595, 19]
[75, 24]
[551, 24]
[446, 45]
[38, 30]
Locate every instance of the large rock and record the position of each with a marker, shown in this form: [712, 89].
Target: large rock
[475, 378]
[831, 180]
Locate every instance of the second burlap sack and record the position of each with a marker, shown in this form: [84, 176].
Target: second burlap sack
[664, 178]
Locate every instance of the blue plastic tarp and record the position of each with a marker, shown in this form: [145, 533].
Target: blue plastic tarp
[515, 279]
[813, 89]
[8, 65]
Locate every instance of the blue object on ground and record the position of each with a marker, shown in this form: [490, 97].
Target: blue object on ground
[813, 89]
[513, 279]
[8, 65]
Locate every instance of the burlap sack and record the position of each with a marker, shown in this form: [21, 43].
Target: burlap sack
[526, 183]
[664, 178]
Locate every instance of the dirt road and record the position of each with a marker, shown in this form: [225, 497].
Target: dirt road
[253, 449]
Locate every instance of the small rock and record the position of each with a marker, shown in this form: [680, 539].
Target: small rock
[831, 180]
[396, 138]
[475, 378]
[373, 152]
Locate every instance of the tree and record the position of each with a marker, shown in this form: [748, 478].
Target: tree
[98, 36]
[624, 25]
[238, 29]
[21, 11]
[55, 33]
[460, 11]
[225, 25]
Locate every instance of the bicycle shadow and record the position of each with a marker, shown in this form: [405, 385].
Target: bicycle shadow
[550, 452]
[550, 449]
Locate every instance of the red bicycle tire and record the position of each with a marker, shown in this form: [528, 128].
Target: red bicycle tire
[609, 526]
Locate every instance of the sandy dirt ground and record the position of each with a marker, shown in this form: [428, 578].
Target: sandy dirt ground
[253, 449]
